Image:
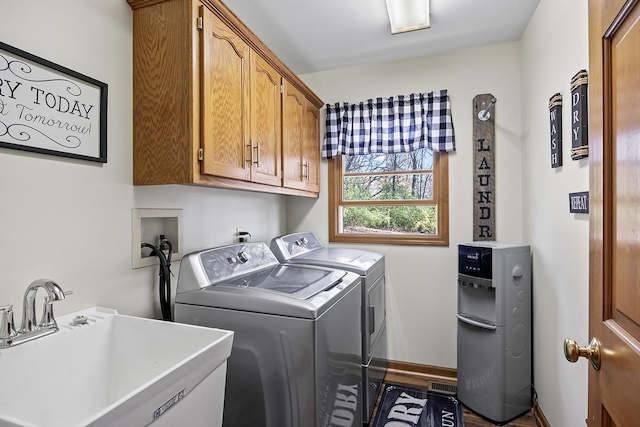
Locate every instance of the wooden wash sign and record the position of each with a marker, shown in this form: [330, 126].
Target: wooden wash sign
[555, 119]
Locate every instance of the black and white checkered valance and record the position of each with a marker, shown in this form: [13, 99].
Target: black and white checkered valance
[393, 125]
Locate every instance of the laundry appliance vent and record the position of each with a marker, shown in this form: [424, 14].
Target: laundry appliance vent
[444, 388]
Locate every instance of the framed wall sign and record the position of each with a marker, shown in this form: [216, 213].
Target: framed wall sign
[46, 108]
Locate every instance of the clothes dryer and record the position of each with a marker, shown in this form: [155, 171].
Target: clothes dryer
[296, 356]
[303, 248]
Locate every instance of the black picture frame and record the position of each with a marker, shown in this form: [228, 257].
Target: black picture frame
[49, 109]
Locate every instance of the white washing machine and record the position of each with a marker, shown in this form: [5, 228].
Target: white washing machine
[304, 248]
[296, 354]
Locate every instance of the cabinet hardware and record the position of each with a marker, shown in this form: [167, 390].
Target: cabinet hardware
[200, 154]
[200, 25]
[253, 148]
[305, 171]
[257, 148]
[250, 159]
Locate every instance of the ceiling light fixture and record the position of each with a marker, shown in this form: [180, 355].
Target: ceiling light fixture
[408, 15]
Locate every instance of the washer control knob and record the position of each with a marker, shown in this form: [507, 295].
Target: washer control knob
[243, 257]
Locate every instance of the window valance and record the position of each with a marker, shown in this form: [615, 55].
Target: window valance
[394, 125]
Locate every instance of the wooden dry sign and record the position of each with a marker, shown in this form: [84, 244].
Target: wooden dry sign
[484, 202]
[579, 124]
[46, 108]
[555, 119]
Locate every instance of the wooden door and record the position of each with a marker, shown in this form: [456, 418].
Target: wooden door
[614, 269]
[293, 112]
[225, 100]
[311, 148]
[266, 123]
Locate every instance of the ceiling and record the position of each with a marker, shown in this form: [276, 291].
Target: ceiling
[320, 35]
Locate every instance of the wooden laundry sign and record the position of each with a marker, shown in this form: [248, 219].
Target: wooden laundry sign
[484, 215]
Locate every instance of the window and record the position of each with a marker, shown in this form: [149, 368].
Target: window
[388, 169]
[397, 198]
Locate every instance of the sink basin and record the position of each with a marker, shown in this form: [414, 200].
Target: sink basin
[115, 370]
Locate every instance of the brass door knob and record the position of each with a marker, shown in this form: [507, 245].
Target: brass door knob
[572, 351]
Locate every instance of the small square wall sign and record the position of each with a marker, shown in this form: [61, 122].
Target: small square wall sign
[579, 202]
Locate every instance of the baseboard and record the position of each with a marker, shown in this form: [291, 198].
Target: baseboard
[434, 377]
[442, 380]
[538, 415]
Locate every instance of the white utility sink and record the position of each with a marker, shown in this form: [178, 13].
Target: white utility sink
[116, 370]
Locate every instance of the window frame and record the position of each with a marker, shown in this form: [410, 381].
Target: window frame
[440, 200]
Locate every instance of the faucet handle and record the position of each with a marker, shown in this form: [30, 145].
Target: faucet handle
[7, 325]
[47, 314]
[48, 320]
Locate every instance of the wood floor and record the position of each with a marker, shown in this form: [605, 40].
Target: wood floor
[470, 419]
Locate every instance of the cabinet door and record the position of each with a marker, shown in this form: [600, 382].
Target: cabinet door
[225, 100]
[311, 148]
[293, 113]
[266, 123]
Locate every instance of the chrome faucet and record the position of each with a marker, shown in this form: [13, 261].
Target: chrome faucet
[30, 329]
[54, 293]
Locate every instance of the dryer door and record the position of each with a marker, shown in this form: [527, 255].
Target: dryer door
[375, 316]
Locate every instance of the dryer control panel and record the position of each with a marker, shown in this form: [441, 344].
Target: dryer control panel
[295, 244]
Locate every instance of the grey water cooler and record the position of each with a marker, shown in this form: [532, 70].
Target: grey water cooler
[494, 329]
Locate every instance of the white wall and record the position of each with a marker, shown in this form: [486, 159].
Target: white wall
[422, 280]
[532, 197]
[69, 220]
[555, 47]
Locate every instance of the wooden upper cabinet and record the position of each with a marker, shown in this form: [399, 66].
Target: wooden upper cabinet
[300, 141]
[208, 107]
[311, 150]
[266, 123]
[293, 106]
[225, 96]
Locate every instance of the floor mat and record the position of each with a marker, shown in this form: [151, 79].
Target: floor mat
[413, 407]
